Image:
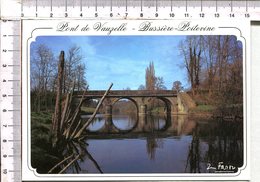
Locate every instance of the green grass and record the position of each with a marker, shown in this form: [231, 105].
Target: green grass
[157, 110]
[41, 117]
[203, 108]
[87, 109]
[41, 147]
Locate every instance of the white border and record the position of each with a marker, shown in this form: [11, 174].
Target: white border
[255, 91]
[34, 28]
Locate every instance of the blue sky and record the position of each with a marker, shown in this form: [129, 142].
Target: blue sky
[122, 60]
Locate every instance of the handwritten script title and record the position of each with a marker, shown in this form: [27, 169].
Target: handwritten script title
[145, 26]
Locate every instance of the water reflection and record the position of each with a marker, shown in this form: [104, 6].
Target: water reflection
[124, 122]
[97, 124]
[162, 144]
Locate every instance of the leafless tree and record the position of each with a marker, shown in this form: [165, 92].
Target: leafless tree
[177, 86]
[214, 63]
[141, 87]
[191, 50]
[80, 79]
[42, 73]
[159, 83]
[74, 70]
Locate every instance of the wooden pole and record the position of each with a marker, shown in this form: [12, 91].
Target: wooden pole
[56, 120]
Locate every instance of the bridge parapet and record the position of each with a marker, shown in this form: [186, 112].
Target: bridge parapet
[128, 93]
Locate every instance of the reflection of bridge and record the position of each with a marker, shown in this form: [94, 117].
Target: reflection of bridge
[173, 126]
[140, 98]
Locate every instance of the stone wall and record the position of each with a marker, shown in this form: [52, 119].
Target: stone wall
[185, 103]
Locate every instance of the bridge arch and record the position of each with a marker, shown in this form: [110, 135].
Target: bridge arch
[128, 98]
[125, 123]
[169, 108]
[166, 102]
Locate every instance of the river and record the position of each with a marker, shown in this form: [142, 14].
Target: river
[163, 144]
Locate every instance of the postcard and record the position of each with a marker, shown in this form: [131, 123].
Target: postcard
[135, 100]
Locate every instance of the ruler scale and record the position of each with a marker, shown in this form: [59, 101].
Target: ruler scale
[10, 93]
[163, 8]
[10, 101]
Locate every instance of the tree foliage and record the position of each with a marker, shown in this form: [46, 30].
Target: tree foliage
[152, 82]
[214, 64]
[150, 78]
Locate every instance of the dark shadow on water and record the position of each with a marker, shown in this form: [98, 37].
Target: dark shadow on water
[223, 151]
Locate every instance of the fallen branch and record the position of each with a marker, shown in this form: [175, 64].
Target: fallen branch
[73, 119]
[75, 130]
[57, 165]
[69, 164]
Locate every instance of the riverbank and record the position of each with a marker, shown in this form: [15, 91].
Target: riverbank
[42, 156]
[87, 110]
[227, 112]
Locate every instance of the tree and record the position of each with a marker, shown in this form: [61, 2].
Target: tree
[151, 81]
[42, 68]
[150, 78]
[43, 73]
[74, 70]
[215, 65]
[159, 83]
[177, 86]
[127, 88]
[191, 51]
[141, 87]
[80, 79]
[209, 60]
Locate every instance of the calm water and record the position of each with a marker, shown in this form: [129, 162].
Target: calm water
[160, 144]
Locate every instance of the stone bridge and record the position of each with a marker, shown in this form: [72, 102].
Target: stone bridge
[140, 98]
[174, 104]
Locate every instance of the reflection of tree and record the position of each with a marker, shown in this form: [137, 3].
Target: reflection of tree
[152, 142]
[224, 140]
[226, 143]
[194, 154]
[132, 119]
[124, 106]
[95, 121]
[151, 145]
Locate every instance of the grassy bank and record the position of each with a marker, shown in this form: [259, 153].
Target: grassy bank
[203, 109]
[43, 157]
[158, 110]
[87, 110]
[218, 111]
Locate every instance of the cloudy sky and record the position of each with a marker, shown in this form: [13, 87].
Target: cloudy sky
[122, 60]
